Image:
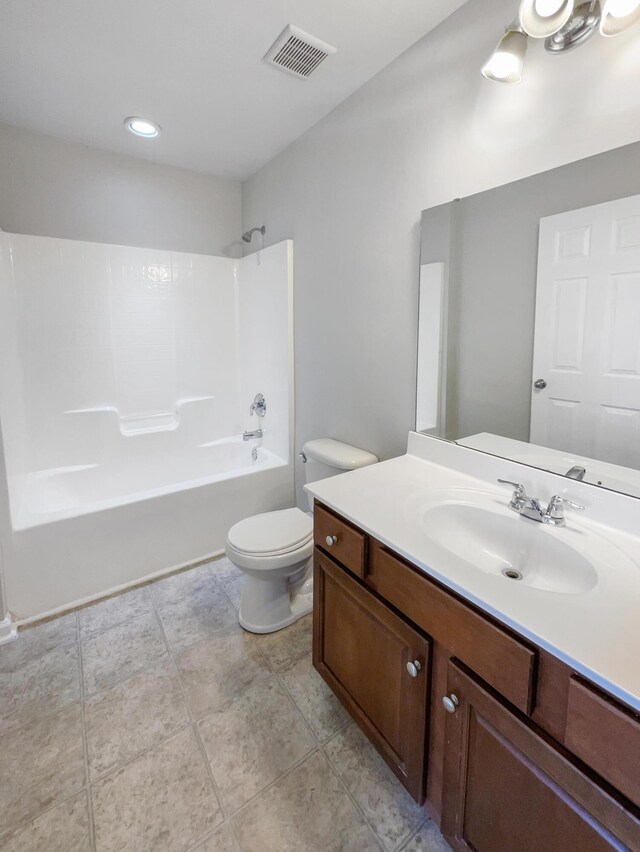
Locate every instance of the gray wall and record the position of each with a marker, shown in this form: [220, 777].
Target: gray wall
[349, 192]
[55, 188]
[493, 283]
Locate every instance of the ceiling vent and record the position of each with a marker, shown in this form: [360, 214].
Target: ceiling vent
[297, 52]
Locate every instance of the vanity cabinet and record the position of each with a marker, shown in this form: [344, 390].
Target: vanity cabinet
[523, 754]
[377, 664]
[507, 786]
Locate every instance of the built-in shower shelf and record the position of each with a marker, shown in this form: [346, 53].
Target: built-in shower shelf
[144, 423]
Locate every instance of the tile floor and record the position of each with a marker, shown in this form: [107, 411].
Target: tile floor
[152, 721]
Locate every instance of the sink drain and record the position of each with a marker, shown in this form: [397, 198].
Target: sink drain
[512, 573]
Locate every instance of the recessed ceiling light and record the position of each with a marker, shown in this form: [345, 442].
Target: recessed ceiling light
[142, 127]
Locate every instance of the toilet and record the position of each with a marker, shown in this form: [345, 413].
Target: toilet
[274, 549]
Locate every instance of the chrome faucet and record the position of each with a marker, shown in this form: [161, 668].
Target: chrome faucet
[247, 436]
[530, 507]
[576, 472]
[258, 406]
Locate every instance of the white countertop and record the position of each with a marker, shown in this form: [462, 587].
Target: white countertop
[596, 632]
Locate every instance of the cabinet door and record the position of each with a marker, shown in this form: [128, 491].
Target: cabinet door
[362, 649]
[507, 787]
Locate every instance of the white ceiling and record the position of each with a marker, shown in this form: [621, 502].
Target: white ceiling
[76, 68]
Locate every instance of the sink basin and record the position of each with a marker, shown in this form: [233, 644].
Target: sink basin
[514, 549]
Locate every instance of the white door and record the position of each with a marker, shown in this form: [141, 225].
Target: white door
[586, 359]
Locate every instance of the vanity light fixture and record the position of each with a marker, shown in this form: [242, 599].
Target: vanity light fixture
[563, 24]
[507, 60]
[142, 127]
[618, 15]
[542, 18]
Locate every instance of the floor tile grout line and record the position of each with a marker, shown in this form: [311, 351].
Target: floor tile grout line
[234, 814]
[226, 823]
[89, 696]
[5, 835]
[299, 709]
[127, 620]
[407, 840]
[85, 745]
[100, 777]
[410, 833]
[38, 719]
[68, 643]
[348, 791]
[193, 724]
[37, 655]
[209, 769]
[85, 787]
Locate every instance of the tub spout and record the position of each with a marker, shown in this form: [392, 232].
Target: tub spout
[247, 436]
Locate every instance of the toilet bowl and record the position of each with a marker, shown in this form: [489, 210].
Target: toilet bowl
[274, 549]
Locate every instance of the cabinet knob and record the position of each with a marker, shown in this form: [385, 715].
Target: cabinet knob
[450, 703]
[331, 540]
[413, 668]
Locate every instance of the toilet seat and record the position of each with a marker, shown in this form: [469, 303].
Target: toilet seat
[271, 534]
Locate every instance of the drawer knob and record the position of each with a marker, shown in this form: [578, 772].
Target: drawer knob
[331, 540]
[450, 703]
[413, 668]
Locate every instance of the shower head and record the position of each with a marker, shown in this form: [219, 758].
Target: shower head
[247, 234]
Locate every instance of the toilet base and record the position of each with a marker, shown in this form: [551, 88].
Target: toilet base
[271, 605]
[299, 608]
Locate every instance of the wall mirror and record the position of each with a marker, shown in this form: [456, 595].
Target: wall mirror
[529, 321]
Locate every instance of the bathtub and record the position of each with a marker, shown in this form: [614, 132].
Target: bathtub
[83, 531]
[51, 495]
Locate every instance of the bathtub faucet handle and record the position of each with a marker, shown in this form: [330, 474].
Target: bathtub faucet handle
[258, 406]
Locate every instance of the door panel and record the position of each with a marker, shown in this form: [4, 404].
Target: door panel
[587, 333]
[507, 787]
[361, 648]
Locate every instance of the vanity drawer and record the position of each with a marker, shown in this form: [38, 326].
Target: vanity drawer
[606, 736]
[344, 543]
[504, 662]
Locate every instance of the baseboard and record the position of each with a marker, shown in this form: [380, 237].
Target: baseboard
[140, 581]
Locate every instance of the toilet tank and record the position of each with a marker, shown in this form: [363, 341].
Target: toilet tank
[326, 457]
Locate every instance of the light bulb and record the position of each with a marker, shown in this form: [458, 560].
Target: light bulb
[142, 127]
[618, 16]
[546, 8]
[621, 8]
[503, 64]
[507, 60]
[543, 18]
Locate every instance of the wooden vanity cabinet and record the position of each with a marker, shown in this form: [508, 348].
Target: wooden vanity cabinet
[533, 758]
[377, 664]
[507, 786]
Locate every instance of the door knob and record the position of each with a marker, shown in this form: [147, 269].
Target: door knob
[540, 384]
[450, 703]
[414, 667]
[331, 540]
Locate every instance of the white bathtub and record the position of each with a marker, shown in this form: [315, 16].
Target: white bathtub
[82, 531]
[65, 492]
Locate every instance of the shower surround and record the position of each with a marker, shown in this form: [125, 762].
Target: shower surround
[125, 383]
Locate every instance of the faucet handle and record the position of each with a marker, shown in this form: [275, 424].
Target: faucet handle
[519, 487]
[555, 510]
[557, 501]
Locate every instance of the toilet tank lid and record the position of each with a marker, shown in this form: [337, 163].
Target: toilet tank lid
[338, 455]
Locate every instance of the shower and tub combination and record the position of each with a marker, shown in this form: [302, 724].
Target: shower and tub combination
[127, 383]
